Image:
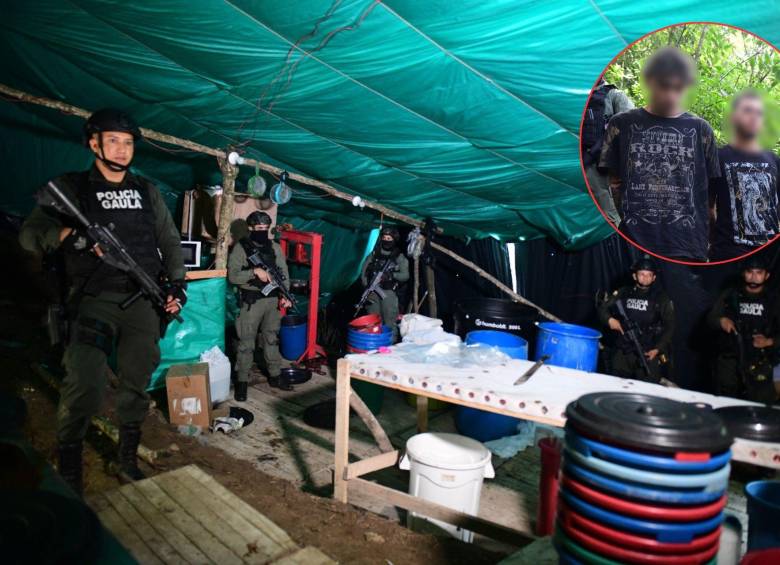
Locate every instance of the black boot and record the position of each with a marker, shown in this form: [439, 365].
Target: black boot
[70, 467]
[279, 382]
[129, 440]
[240, 392]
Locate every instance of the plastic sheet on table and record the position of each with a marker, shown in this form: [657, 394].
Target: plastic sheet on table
[453, 354]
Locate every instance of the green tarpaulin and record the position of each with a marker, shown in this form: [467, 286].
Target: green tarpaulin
[465, 111]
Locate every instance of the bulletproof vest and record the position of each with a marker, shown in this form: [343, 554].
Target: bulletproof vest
[750, 312]
[266, 250]
[127, 210]
[377, 262]
[643, 307]
[595, 123]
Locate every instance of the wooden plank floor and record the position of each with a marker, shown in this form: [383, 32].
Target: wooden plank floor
[185, 516]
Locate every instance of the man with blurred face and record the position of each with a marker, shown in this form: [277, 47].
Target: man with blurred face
[651, 311]
[747, 318]
[660, 159]
[744, 200]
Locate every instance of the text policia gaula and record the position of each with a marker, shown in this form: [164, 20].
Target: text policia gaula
[125, 199]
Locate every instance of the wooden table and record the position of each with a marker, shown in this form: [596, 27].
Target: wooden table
[542, 399]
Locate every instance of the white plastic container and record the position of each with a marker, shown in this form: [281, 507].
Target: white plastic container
[447, 469]
[219, 374]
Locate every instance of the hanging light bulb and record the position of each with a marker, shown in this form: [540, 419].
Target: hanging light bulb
[235, 159]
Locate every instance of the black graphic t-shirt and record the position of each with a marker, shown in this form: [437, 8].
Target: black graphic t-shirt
[664, 165]
[745, 198]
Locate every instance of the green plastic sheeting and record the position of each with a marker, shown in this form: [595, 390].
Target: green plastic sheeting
[463, 111]
[202, 329]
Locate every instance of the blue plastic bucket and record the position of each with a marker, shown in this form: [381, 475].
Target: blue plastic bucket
[478, 424]
[763, 509]
[514, 346]
[292, 336]
[568, 345]
[369, 341]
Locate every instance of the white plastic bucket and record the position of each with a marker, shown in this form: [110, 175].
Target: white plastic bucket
[447, 469]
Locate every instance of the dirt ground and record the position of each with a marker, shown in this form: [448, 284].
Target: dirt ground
[346, 533]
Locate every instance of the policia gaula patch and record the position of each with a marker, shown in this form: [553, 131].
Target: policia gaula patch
[128, 199]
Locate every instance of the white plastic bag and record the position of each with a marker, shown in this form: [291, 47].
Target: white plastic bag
[219, 373]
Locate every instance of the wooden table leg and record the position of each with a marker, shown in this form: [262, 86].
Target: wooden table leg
[422, 414]
[342, 430]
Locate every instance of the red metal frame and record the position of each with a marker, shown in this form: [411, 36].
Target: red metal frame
[293, 245]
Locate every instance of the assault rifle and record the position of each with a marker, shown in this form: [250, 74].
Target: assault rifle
[276, 276]
[374, 286]
[633, 333]
[110, 250]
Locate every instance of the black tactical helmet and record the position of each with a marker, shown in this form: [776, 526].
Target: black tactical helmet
[755, 261]
[391, 231]
[110, 119]
[644, 263]
[258, 218]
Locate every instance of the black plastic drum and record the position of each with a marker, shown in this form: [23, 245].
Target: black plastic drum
[758, 423]
[649, 423]
[495, 314]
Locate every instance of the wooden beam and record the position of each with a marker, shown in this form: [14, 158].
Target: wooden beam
[375, 463]
[487, 276]
[373, 425]
[343, 392]
[227, 205]
[422, 413]
[439, 512]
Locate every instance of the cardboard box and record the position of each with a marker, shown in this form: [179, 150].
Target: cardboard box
[189, 396]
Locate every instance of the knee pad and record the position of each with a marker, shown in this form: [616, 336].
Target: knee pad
[90, 331]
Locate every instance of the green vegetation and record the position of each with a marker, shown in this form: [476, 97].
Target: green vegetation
[729, 61]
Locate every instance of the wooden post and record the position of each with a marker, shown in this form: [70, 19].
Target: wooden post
[229, 174]
[422, 413]
[416, 294]
[430, 282]
[343, 392]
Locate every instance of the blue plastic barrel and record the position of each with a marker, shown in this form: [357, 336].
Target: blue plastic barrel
[478, 424]
[292, 336]
[763, 510]
[568, 345]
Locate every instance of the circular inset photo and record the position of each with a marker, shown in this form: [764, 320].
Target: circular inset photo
[680, 143]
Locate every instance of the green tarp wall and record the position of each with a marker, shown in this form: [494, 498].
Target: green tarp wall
[464, 111]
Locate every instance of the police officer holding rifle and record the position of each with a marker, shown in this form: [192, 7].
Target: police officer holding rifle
[258, 268]
[642, 319]
[125, 276]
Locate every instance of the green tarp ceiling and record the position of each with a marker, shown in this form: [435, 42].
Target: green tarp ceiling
[466, 111]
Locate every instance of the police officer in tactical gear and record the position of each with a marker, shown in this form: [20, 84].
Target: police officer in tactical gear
[257, 310]
[747, 318]
[111, 195]
[388, 247]
[651, 312]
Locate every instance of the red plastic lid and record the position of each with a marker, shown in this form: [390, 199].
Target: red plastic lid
[578, 522]
[762, 557]
[370, 323]
[637, 556]
[643, 510]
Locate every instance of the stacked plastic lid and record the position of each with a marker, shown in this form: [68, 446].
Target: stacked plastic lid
[643, 480]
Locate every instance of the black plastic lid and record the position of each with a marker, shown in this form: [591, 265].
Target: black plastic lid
[649, 423]
[759, 423]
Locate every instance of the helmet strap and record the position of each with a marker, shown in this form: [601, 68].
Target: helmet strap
[112, 165]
